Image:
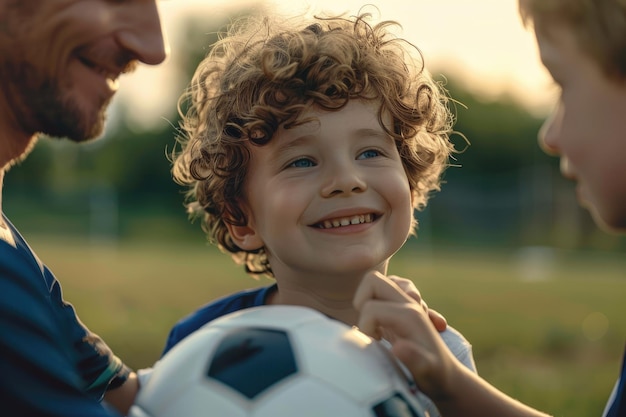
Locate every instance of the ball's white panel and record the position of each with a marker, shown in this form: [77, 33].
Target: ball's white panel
[182, 367]
[202, 402]
[345, 357]
[137, 411]
[307, 397]
[279, 316]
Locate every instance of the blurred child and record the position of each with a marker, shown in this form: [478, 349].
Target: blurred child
[583, 46]
[307, 146]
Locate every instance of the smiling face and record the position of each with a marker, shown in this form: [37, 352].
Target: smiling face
[328, 197]
[588, 127]
[60, 60]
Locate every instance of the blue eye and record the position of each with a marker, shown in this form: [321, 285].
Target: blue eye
[370, 153]
[302, 163]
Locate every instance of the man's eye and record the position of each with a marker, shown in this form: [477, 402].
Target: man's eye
[302, 163]
[370, 153]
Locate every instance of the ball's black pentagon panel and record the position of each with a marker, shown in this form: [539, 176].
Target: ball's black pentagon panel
[250, 360]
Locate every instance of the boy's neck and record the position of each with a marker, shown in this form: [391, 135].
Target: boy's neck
[331, 293]
[335, 304]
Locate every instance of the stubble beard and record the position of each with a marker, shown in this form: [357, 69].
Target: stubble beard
[62, 117]
[47, 107]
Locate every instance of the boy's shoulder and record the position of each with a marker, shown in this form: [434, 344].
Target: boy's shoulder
[459, 346]
[230, 303]
[217, 308]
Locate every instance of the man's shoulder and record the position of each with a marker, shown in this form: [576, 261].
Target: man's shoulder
[23, 287]
[35, 347]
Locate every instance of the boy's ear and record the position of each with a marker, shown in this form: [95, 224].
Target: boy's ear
[245, 236]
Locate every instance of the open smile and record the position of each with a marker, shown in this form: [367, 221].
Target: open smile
[110, 75]
[346, 221]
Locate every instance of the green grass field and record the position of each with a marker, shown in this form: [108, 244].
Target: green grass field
[547, 328]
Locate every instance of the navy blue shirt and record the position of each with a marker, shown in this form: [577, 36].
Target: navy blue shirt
[617, 402]
[211, 311]
[50, 363]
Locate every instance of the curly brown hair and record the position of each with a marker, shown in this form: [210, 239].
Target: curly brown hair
[264, 73]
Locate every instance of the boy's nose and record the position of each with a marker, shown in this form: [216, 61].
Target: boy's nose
[343, 179]
[550, 132]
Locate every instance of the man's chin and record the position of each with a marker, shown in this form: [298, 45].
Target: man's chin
[78, 128]
[79, 120]
[96, 132]
[75, 135]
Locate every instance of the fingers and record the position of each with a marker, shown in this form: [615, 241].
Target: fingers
[376, 286]
[438, 320]
[408, 287]
[387, 310]
[394, 288]
[384, 305]
[393, 320]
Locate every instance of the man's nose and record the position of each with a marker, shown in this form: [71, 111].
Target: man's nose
[144, 36]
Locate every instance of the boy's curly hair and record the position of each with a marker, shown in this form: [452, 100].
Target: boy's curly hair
[263, 73]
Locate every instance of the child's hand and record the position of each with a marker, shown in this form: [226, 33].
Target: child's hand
[411, 290]
[386, 310]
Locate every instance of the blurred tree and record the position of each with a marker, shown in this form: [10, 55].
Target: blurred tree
[503, 190]
[502, 133]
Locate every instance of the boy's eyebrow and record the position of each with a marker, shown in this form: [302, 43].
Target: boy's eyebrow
[287, 145]
[295, 142]
[362, 132]
[372, 132]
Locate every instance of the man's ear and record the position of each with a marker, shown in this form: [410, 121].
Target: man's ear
[246, 236]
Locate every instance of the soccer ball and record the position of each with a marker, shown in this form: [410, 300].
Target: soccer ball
[277, 361]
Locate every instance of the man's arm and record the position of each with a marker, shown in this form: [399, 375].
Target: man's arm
[123, 397]
[39, 375]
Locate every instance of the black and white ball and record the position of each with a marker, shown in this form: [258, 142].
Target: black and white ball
[277, 361]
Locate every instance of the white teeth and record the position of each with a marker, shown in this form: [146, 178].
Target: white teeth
[113, 83]
[347, 221]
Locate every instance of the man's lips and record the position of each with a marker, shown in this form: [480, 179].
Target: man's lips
[346, 221]
[106, 72]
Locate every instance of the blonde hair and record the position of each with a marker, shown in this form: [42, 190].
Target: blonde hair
[598, 25]
[264, 73]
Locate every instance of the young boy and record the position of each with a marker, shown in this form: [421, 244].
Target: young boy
[307, 146]
[583, 46]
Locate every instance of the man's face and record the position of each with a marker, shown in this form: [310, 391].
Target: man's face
[60, 60]
[588, 127]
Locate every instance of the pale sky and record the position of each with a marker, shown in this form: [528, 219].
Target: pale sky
[482, 42]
